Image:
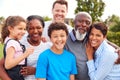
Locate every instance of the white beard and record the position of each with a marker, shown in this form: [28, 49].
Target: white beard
[80, 36]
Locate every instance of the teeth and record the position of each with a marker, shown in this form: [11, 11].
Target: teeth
[59, 43]
[59, 16]
[35, 35]
[93, 42]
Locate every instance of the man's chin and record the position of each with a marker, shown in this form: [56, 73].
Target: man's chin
[80, 36]
[80, 39]
[59, 21]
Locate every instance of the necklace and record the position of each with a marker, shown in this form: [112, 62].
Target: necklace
[33, 43]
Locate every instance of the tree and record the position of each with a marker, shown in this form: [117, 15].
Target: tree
[46, 18]
[94, 7]
[114, 23]
[2, 20]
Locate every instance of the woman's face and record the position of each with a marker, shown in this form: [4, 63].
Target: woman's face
[35, 29]
[96, 37]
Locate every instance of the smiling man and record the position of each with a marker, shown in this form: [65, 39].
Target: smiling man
[59, 11]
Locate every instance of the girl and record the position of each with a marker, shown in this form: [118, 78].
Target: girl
[12, 32]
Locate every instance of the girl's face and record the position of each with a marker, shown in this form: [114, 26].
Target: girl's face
[17, 31]
[35, 29]
[58, 38]
[96, 37]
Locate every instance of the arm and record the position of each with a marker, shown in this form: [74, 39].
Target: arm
[104, 66]
[28, 70]
[89, 51]
[10, 61]
[72, 77]
[41, 68]
[118, 60]
[118, 51]
[3, 74]
[74, 69]
[41, 79]
[112, 44]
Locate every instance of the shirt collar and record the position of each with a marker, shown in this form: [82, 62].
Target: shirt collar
[73, 38]
[101, 47]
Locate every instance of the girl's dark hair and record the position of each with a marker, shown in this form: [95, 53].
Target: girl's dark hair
[11, 21]
[32, 17]
[100, 26]
[57, 26]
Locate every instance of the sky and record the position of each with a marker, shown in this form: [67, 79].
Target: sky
[25, 8]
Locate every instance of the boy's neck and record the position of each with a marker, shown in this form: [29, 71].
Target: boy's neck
[57, 51]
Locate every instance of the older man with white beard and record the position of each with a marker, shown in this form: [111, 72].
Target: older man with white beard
[76, 43]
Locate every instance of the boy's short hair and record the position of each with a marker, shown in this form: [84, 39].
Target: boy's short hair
[57, 26]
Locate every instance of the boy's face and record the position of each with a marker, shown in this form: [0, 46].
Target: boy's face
[58, 38]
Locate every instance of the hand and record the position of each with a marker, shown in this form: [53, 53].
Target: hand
[43, 39]
[29, 50]
[28, 70]
[89, 51]
[3, 73]
[118, 60]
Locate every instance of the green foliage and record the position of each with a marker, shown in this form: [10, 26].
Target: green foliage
[2, 19]
[113, 18]
[46, 18]
[116, 27]
[114, 23]
[114, 37]
[94, 7]
[1, 50]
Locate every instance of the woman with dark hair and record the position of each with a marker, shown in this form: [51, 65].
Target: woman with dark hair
[35, 25]
[101, 55]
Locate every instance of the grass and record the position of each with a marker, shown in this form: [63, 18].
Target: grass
[1, 50]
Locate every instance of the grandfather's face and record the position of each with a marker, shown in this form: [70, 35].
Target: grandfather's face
[82, 24]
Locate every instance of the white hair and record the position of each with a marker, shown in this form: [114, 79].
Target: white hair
[84, 14]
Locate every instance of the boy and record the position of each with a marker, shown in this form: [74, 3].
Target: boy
[53, 63]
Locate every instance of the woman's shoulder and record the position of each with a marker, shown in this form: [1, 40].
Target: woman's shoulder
[109, 51]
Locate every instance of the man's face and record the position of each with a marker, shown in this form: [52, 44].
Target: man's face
[59, 12]
[82, 24]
